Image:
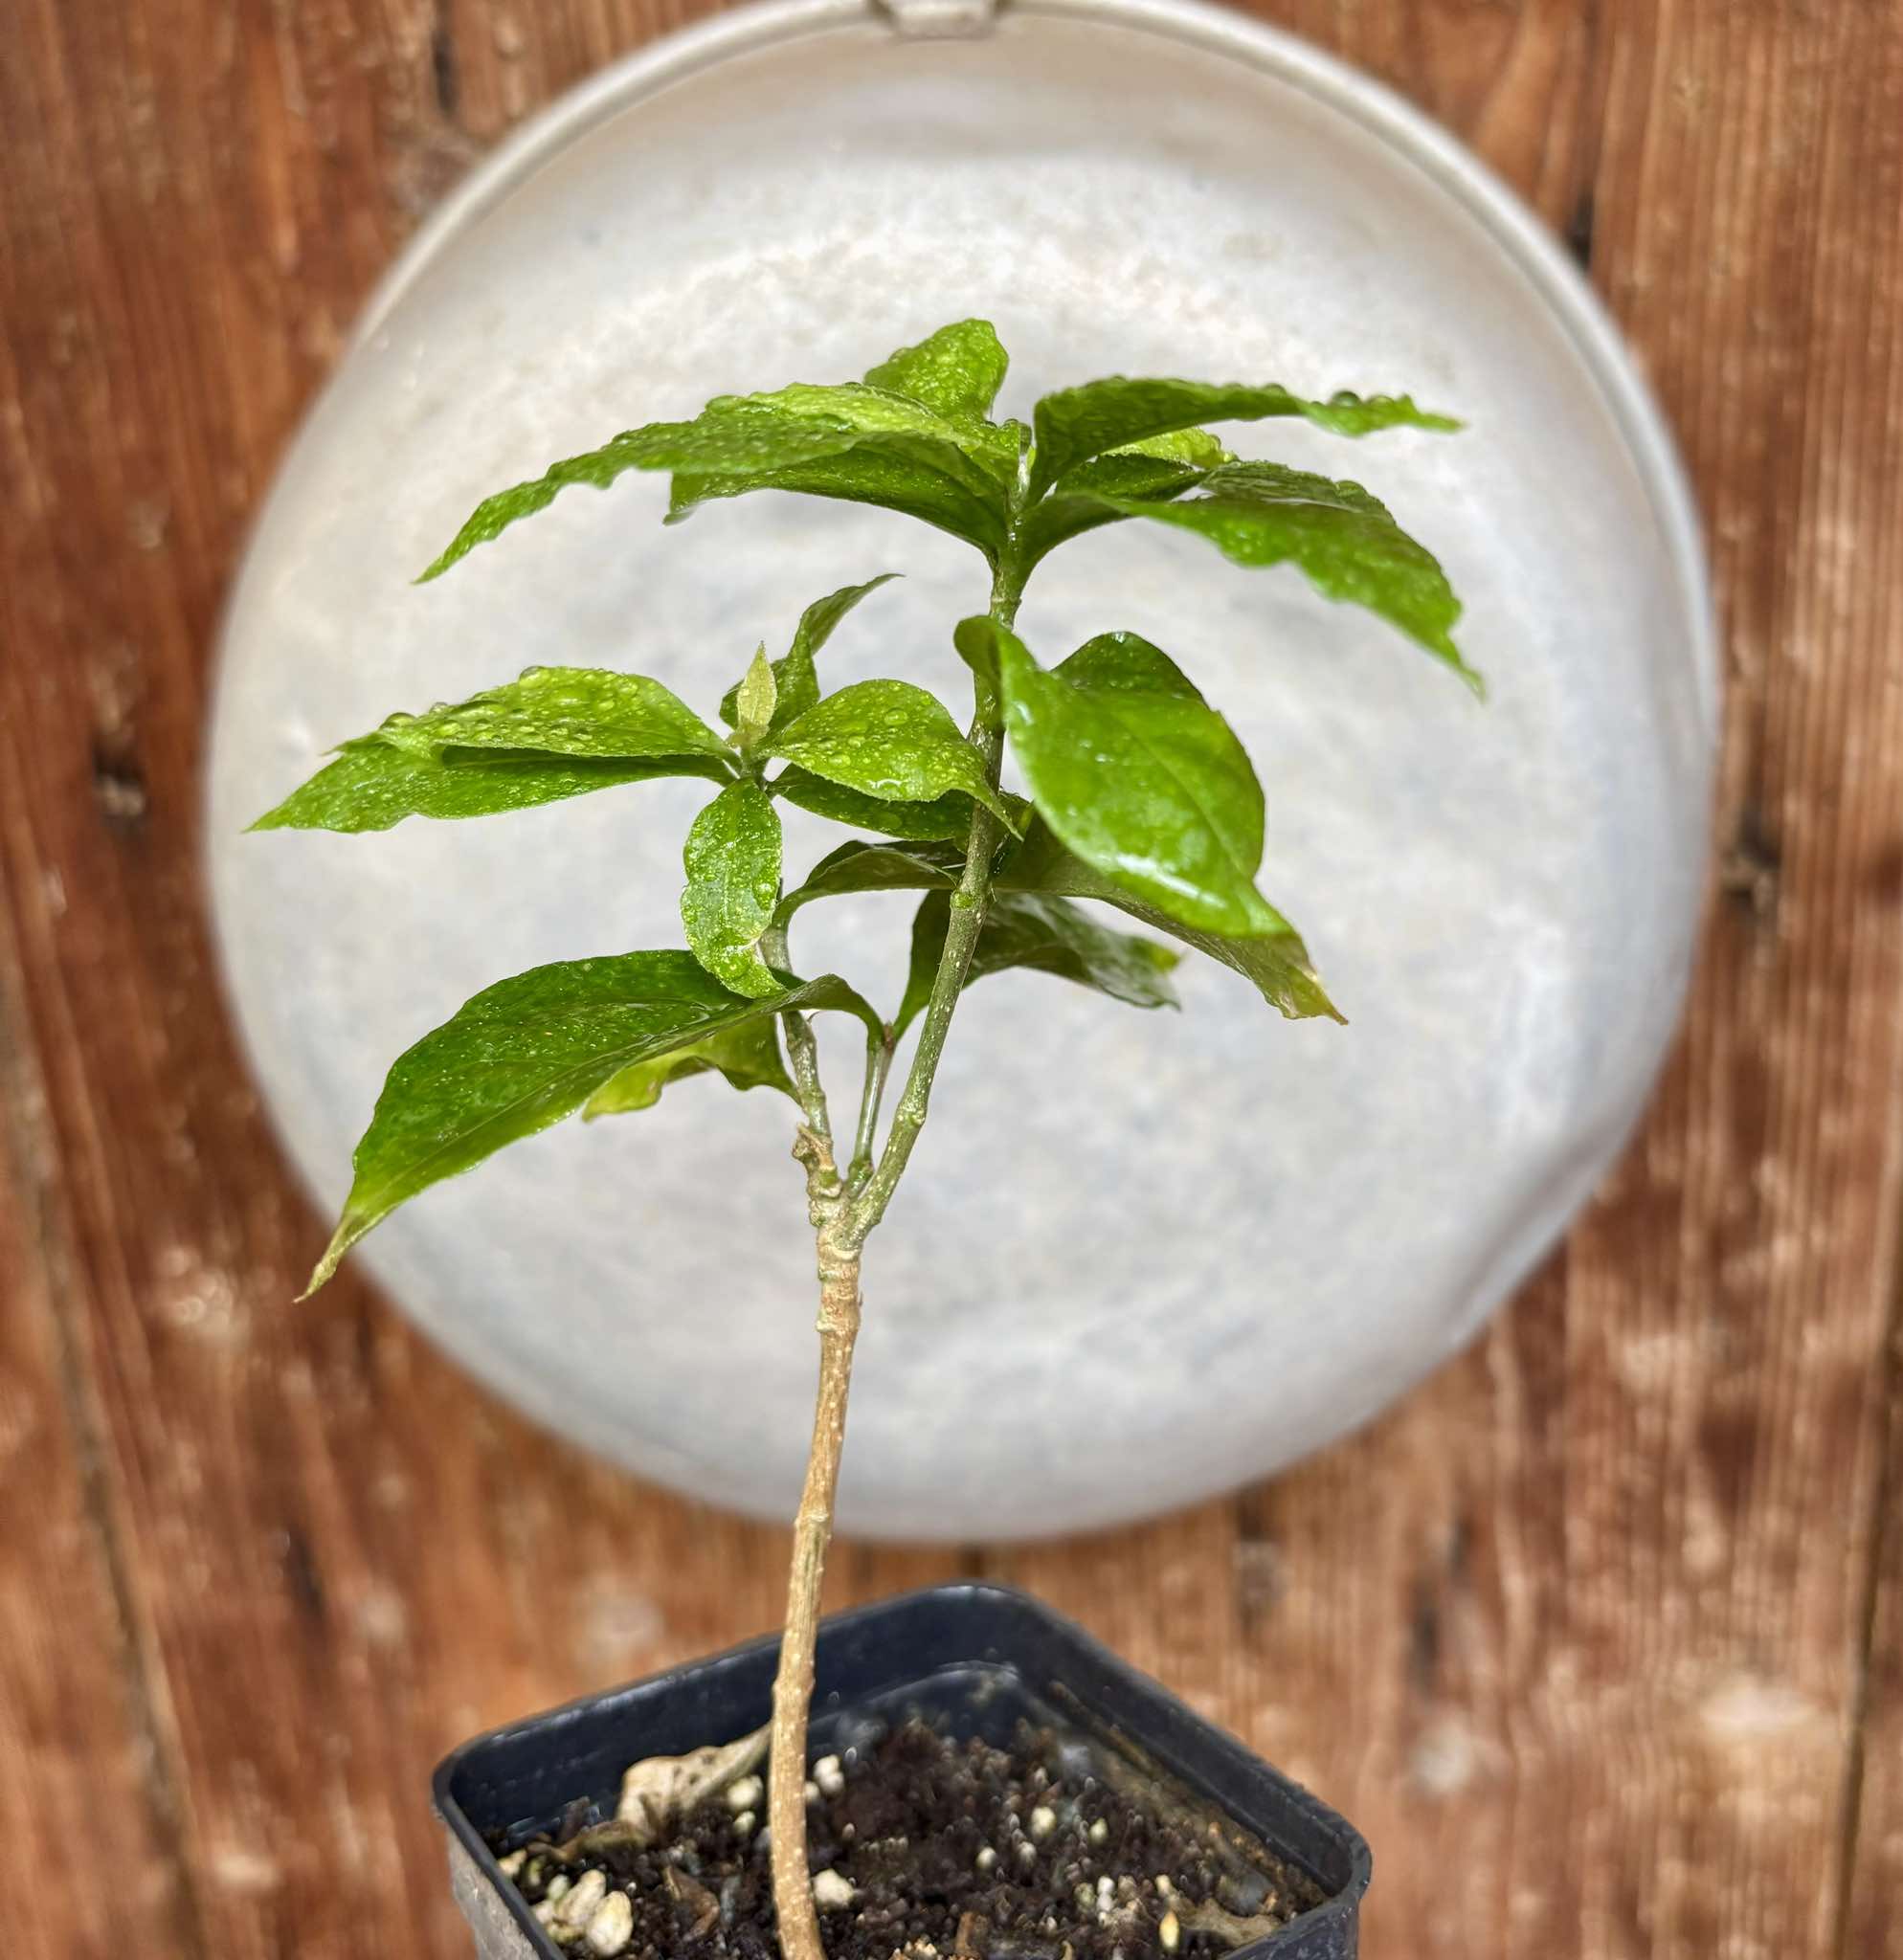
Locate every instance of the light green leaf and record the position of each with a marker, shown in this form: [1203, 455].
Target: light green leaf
[795, 677]
[732, 856]
[754, 700]
[892, 740]
[1140, 778]
[1047, 934]
[1343, 538]
[747, 1056]
[956, 372]
[1077, 423]
[1275, 963]
[562, 711]
[529, 1051]
[371, 786]
[948, 817]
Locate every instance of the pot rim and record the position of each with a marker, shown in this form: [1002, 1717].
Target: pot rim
[1342, 1906]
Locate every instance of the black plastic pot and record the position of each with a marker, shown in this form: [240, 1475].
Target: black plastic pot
[975, 1658]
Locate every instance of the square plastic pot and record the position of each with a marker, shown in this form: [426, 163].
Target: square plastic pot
[975, 1658]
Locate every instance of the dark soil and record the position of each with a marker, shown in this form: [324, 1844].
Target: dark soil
[950, 1856]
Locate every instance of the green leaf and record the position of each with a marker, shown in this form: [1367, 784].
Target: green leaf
[371, 786]
[1140, 778]
[1275, 963]
[1155, 469]
[795, 677]
[1077, 423]
[529, 1051]
[732, 437]
[1047, 934]
[586, 711]
[732, 858]
[954, 474]
[1343, 538]
[747, 1056]
[907, 484]
[956, 372]
[948, 817]
[892, 740]
[754, 699]
[860, 866]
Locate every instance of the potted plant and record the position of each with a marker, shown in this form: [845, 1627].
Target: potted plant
[1140, 797]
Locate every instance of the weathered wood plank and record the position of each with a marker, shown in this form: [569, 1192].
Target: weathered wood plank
[1577, 1634]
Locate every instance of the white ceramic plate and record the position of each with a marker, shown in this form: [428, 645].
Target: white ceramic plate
[1139, 1258]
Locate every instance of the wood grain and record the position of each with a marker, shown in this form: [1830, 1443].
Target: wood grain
[1599, 1635]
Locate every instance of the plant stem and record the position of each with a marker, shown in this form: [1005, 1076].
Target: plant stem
[968, 906]
[841, 1222]
[812, 1532]
[878, 1066]
[802, 1050]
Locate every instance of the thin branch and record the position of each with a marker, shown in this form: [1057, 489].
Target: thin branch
[878, 1066]
[801, 1047]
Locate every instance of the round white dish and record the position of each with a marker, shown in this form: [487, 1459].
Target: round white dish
[1138, 1258]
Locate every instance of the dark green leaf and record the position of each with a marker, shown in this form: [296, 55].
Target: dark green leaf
[1050, 935]
[1341, 537]
[1077, 423]
[890, 740]
[795, 677]
[953, 474]
[860, 866]
[732, 858]
[905, 483]
[529, 1051]
[1140, 778]
[747, 1056]
[948, 817]
[1275, 963]
[1157, 469]
[371, 786]
[730, 438]
[562, 711]
[956, 372]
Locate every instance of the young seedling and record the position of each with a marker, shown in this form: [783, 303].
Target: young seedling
[1140, 796]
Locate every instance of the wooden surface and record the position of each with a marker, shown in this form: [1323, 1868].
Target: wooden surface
[1599, 1636]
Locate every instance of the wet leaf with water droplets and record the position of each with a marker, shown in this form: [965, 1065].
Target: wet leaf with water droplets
[1075, 424]
[892, 740]
[1140, 778]
[371, 786]
[525, 1053]
[732, 859]
[582, 711]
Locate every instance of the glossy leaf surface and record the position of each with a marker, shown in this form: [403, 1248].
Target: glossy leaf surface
[733, 859]
[957, 371]
[1343, 538]
[371, 786]
[529, 1051]
[889, 739]
[747, 1056]
[1077, 423]
[1140, 778]
[584, 711]
[1047, 934]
